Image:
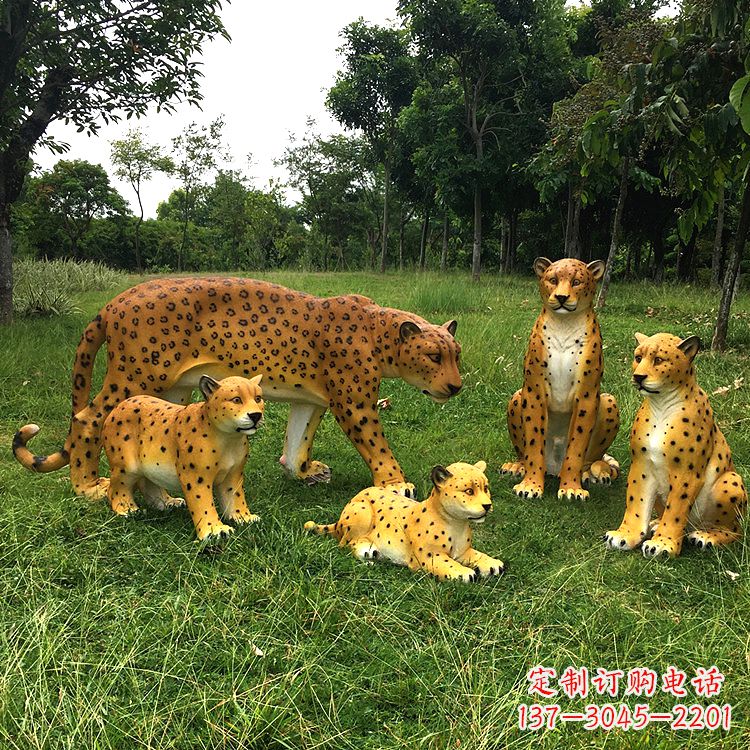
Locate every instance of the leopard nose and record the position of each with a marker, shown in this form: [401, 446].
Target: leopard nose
[255, 417]
[454, 389]
[561, 298]
[487, 507]
[639, 378]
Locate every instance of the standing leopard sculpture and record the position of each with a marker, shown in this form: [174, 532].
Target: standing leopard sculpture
[559, 422]
[199, 449]
[681, 464]
[317, 354]
[434, 535]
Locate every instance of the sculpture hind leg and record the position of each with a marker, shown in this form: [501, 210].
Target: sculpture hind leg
[304, 420]
[720, 522]
[600, 467]
[86, 442]
[516, 468]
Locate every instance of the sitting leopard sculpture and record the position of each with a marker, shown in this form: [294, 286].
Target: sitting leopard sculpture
[681, 464]
[434, 535]
[317, 354]
[200, 449]
[559, 422]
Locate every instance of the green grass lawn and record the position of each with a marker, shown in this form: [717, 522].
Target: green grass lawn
[122, 633]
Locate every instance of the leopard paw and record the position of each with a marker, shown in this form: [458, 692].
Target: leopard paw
[212, 533]
[601, 472]
[623, 540]
[529, 489]
[125, 508]
[572, 493]
[513, 469]
[315, 472]
[96, 491]
[659, 546]
[242, 517]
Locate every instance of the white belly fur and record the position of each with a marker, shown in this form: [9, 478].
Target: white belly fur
[162, 475]
[564, 344]
[271, 391]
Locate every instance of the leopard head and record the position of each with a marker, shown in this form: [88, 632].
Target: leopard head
[663, 363]
[235, 405]
[568, 285]
[463, 491]
[428, 357]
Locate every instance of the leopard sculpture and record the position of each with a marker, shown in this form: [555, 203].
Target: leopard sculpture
[559, 422]
[434, 535]
[200, 449]
[681, 464]
[317, 354]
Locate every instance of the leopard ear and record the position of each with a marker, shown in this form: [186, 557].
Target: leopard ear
[451, 326]
[440, 475]
[597, 268]
[481, 465]
[408, 329]
[540, 265]
[640, 338]
[207, 386]
[256, 380]
[690, 347]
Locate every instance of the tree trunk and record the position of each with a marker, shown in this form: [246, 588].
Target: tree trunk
[401, 231]
[138, 262]
[602, 299]
[183, 243]
[386, 193]
[718, 241]
[719, 341]
[659, 253]
[6, 267]
[576, 238]
[685, 265]
[476, 254]
[446, 235]
[424, 237]
[569, 221]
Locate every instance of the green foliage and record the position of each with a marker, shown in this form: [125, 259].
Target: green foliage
[47, 287]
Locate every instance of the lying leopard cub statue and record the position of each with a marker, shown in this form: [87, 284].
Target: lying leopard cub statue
[201, 449]
[559, 422]
[434, 535]
[680, 461]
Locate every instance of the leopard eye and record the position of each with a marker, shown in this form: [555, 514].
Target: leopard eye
[576, 282]
[236, 400]
[470, 491]
[638, 358]
[436, 358]
[658, 360]
[553, 280]
[258, 399]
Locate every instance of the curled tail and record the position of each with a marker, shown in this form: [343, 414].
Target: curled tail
[83, 367]
[330, 529]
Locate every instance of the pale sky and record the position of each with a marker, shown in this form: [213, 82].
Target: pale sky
[266, 82]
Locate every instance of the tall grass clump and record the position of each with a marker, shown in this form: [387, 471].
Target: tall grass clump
[447, 295]
[44, 287]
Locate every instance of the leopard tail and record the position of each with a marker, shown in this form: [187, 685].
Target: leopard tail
[329, 529]
[91, 340]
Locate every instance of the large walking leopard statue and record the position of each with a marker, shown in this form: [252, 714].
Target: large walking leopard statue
[317, 354]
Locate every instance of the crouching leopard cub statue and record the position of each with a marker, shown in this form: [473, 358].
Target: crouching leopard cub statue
[200, 449]
[681, 464]
[317, 354]
[559, 422]
[434, 535]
